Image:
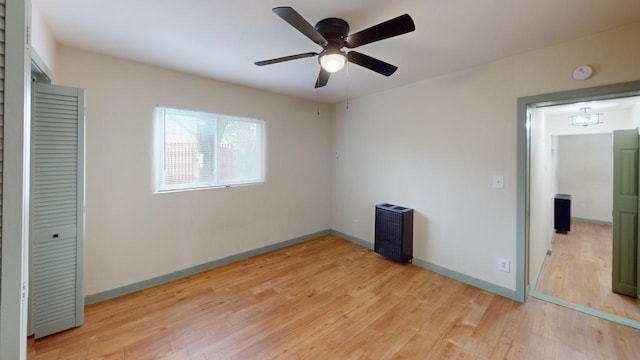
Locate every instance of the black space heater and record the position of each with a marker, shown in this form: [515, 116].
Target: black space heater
[394, 232]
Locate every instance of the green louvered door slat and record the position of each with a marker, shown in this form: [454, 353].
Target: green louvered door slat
[57, 208]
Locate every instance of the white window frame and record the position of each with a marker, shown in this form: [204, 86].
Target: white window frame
[159, 160]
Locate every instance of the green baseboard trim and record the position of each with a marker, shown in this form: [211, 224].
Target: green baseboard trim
[544, 258]
[592, 221]
[470, 280]
[587, 310]
[141, 285]
[353, 239]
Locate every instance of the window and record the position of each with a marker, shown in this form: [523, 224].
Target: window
[198, 150]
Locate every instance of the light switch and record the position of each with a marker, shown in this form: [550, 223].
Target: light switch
[498, 182]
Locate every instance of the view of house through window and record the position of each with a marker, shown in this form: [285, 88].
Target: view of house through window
[197, 149]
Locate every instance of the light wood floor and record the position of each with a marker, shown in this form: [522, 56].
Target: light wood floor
[331, 299]
[579, 270]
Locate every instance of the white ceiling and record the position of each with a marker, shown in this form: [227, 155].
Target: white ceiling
[596, 106]
[223, 39]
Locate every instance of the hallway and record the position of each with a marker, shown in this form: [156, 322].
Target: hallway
[579, 271]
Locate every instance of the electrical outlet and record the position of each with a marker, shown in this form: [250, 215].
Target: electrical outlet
[503, 265]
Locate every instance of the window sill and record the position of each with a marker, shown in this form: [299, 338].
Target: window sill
[207, 187]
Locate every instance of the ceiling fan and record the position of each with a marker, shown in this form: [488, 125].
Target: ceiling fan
[332, 34]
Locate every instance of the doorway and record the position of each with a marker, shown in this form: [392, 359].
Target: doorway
[56, 205]
[576, 265]
[528, 260]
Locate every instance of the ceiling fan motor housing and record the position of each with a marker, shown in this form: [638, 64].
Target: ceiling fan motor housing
[335, 30]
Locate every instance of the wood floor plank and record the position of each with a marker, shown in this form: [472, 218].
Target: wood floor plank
[328, 298]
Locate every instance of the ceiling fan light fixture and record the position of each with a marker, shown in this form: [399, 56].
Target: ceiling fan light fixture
[333, 62]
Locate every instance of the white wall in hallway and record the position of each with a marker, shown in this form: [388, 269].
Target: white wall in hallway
[585, 171]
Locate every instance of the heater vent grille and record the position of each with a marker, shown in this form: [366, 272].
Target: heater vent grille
[394, 232]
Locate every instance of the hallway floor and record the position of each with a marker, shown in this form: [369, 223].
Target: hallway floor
[579, 271]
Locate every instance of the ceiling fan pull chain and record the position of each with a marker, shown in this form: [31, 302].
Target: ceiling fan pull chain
[318, 101]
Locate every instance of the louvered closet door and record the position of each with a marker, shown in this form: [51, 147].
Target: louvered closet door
[57, 208]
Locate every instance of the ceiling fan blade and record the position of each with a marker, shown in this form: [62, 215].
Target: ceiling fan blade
[323, 78]
[297, 21]
[370, 63]
[390, 28]
[285, 58]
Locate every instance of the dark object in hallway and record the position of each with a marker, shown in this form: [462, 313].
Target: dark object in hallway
[562, 213]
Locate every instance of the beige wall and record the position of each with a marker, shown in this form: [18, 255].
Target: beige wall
[133, 234]
[41, 39]
[434, 146]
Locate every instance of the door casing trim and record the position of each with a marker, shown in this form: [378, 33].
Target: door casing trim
[604, 92]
